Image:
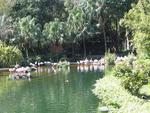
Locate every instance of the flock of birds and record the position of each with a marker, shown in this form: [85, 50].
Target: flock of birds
[86, 61]
[82, 66]
[41, 63]
[20, 72]
[90, 65]
[92, 62]
[90, 68]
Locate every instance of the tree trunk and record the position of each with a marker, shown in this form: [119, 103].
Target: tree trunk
[128, 45]
[3, 19]
[84, 47]
[127, 40]
[102, 22]
[117, 36]
[33, 51]
[39, 46]
[27, 53]
[105, 40]
[72, 49]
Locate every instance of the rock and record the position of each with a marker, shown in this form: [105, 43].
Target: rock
[66, 81]
[104, 109]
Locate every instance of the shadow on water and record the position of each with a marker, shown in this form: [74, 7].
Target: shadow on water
[62, 92]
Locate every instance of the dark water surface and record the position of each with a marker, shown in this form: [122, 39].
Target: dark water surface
[64, 92]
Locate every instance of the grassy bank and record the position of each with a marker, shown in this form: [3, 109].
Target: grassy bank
[119, 100]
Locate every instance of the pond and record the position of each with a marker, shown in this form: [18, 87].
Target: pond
[68, 91]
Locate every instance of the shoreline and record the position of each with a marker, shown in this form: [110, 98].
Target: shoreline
[4, 69]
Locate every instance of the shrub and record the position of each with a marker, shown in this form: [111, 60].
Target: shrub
[142, 67]
[9, 55]
[110, 58]
[133, 76]
[133, 84]
[122, 69]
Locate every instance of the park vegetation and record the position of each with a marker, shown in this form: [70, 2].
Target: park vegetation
[34, 29]
[37, 26]
[132, 75]
[9, 55]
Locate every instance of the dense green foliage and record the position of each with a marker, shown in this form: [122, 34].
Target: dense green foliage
[122, 69]
[119, 100]
[9, 55]
[5, 5]
[27, 34]
[134, 75]
[54, 31]
[37, 24]
[137, 20]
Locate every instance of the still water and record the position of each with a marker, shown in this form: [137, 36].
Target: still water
[68, 91]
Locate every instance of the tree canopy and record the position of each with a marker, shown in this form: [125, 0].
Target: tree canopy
[36, 24]
[137, 20]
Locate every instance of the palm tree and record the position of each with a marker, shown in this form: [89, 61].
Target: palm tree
[27, 33]
[54, 31]
[79, 21]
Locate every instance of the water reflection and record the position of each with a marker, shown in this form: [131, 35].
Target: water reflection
[44, 70]
[52, 70]
[64, 92]
[80, 68]
[90, 68]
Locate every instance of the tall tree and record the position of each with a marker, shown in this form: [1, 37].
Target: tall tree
[137, 21]
[79, 21]
[54, 31]
[27, 33]
[43, 10]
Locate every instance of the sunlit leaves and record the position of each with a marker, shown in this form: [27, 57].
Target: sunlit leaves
[138, 20]
[76, 20]
[9, 55]
[28, 31]
[54, 31]
[6, 5]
